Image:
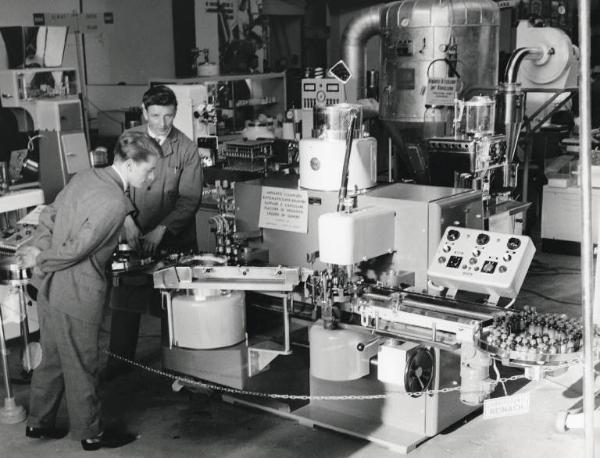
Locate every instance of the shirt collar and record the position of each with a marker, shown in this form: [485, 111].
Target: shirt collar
[160, 138]
[121, 177]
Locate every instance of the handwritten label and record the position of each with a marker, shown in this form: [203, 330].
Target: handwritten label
[441, 91]
[506, 406]
[283, 209]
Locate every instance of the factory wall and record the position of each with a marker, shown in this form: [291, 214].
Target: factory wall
[125, 55]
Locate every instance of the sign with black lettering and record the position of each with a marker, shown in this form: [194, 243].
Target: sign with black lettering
[441, 91]
[39, 19]
[283, 209]
[506, 406]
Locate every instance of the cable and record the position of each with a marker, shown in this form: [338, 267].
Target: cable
[511, 303]
[543, 296]
[498, 378]
[30, 141]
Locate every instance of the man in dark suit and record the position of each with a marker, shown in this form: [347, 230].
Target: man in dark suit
[73, 243]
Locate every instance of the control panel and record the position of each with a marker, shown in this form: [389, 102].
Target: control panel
[481, 261]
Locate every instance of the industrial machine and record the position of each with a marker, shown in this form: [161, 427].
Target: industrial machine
[403, 293]
[45, 102]
[391, 350]
[359, 262]
[322, 157]
[475, 156]
[206, 318]
[421, 41]
[318, 92]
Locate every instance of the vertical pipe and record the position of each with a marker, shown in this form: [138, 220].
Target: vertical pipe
[389, 159]
[4, 356]
[166, 297]
[286, 324]
[25, 328]
[585, 145]
[357, 33]
[343, 193]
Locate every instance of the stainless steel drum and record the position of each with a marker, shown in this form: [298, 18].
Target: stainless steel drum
[11, 273]
[332, 122]
[424, 39]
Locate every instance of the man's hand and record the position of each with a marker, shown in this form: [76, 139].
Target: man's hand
[132, 234]
[27, 258]
[27, 255]
[152, 239]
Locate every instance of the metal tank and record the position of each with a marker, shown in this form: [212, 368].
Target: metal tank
[421, 39]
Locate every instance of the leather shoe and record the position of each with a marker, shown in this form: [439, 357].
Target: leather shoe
[45, 433]
[109, 439]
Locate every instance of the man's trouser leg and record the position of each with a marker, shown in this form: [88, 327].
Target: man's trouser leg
[78, 348]
[47, 383]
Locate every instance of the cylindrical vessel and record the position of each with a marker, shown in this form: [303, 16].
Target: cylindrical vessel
[322, 161]
[421, 39]
[332, 122]
[11, 273]
[335, 354]
[480, 115]
[208, 322]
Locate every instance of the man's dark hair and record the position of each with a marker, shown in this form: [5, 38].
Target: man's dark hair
[159, 95]
[138, 146]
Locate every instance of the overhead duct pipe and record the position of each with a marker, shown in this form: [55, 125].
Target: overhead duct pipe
[513, 102]
[354, 40]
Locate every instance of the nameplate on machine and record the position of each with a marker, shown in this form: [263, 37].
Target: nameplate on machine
[283, 209]
[506, 406]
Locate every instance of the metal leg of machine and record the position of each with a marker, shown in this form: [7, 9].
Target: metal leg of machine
[11, 412]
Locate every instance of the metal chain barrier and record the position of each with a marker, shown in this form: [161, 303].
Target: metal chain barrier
[353, 397]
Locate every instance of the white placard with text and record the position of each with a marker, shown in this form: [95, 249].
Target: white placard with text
[441, 91]
[283, 209]
[506, 406]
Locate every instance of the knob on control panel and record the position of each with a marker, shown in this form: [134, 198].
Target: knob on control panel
[478, 261]
[513, 243]
[453, 235]
[482, 239]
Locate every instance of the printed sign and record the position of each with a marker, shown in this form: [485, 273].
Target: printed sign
[441, 91]
[506, 406]
[284, 209]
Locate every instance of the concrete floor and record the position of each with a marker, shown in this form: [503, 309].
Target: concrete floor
[193, 424]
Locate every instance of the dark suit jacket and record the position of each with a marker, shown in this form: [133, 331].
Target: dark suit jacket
[77, 235]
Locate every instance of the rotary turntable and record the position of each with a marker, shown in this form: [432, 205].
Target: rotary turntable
[526, 338]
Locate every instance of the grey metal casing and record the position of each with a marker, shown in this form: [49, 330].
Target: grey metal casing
[422, 215]
[416, 34]
[285, 248]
